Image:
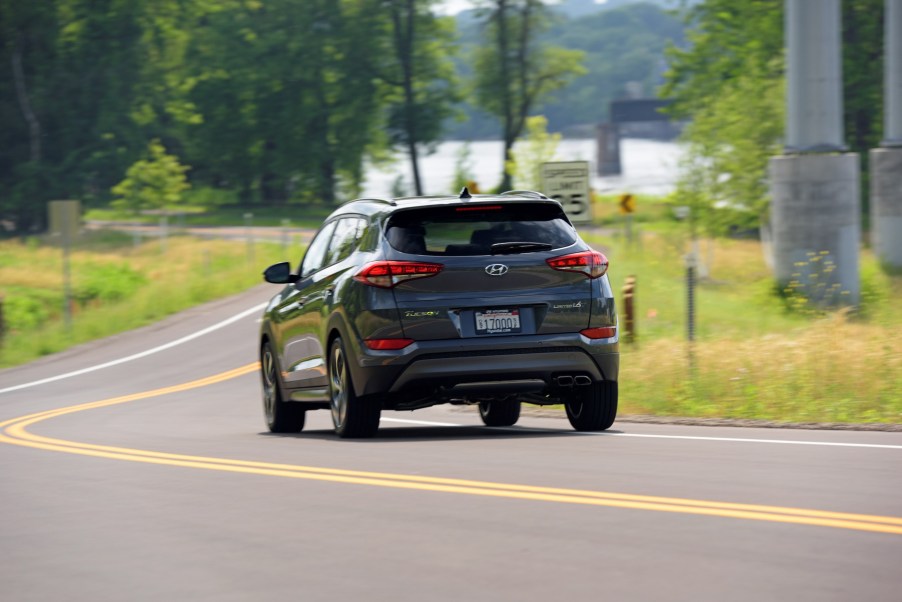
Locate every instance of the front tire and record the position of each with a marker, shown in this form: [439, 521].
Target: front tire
[281, 416]
[504, 412]
[353, 417]
[594, 409]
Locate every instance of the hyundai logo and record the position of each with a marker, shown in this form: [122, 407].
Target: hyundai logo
[496, 269]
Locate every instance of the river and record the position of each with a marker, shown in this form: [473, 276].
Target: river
[649, 166]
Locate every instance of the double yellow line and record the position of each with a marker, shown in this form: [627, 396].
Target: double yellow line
[14, 432]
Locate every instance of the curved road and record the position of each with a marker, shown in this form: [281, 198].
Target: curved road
[138, 468]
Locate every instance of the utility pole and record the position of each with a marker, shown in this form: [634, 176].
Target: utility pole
[886, 161]
[815, 208]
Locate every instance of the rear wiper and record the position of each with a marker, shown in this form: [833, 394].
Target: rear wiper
[504, 248]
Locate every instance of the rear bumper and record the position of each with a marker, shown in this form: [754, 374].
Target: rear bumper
[447, 363]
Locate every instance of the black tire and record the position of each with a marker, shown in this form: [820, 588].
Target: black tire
[595, 408]
[503, 412]
[281, 416]
[353, 417]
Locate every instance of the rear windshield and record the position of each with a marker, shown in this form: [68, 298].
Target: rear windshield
[472, 230]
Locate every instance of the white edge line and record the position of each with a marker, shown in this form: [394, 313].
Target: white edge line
[420, 422]
[136, 356]
[650, 436]
[747, 440]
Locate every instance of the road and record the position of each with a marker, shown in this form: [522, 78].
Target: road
[140, 470]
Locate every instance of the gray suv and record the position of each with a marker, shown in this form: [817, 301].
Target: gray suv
[401, 304]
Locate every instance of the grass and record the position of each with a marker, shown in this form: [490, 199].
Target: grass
[127, 286]
[754, 357]
[756, 354]
[298, 216]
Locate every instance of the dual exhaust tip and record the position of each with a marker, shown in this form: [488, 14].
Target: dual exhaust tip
[566, 380]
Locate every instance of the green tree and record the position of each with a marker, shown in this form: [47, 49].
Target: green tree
[421, 71]
[289, 95]
[729, 81]
[538, 147]
[74, 78]
[156, 182]
[514, 71]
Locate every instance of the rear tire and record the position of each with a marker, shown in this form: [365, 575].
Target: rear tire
[352, 416]
[503, 412]
[281, 416]
[594, 409]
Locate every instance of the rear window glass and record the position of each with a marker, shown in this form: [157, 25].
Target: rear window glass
[472, 230]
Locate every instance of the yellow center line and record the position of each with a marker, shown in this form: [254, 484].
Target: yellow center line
[14, 432]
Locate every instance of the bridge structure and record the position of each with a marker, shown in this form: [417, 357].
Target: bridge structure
[815, 184]
[636, 110]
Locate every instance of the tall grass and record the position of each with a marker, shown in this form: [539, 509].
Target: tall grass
[139, 285]
[755, 356]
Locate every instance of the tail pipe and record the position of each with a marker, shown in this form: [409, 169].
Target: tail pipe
[568, 380]
[564, 381]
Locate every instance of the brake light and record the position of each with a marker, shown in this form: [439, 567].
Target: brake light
[591, 263]
[480, 208]
[602, 332]
[387, 274]
[387, 344]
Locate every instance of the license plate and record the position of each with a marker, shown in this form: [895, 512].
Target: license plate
[498, 321]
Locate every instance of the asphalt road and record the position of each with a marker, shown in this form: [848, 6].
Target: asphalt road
[148, 475]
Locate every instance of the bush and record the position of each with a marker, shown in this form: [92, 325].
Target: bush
[27, 310]
[107, 282]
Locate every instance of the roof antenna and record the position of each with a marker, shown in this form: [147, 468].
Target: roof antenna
[465, 194]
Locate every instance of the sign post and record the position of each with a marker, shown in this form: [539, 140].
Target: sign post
[65, 222]
[568, 183]
[627, 207]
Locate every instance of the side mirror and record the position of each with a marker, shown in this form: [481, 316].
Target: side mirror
[280, 273]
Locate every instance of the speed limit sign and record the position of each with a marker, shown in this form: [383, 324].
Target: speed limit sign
[568, 183]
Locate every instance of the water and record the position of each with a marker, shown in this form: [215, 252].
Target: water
[649, 166]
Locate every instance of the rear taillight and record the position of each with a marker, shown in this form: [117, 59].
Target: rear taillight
[591, 263]
[601, 332]
[387, 344]
[387, 274]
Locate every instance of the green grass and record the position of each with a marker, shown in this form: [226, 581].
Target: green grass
[755, 357]
[117, 286]
[298, 216]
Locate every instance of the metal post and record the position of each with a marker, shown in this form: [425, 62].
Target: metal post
[285, 224]
[164, 232]
[690, 297]
[2, 322]
[248, 228]
[629, 309]
[67, 279]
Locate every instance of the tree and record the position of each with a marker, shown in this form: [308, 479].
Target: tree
[74, 84]
[156, 182]
[514, 71]
[729, 81]
[289, 95]
[422, 72]
[537, 148]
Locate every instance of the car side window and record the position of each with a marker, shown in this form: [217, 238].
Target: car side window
[316, 252]
[344, 240]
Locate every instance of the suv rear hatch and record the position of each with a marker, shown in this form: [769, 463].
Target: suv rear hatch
[492, 269]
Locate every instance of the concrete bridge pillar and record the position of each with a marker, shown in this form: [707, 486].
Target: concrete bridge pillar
[886, 162]
[815, 207]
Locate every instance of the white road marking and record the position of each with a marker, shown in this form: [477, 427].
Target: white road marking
[420, 422]
[170, 345]
[649, 436]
